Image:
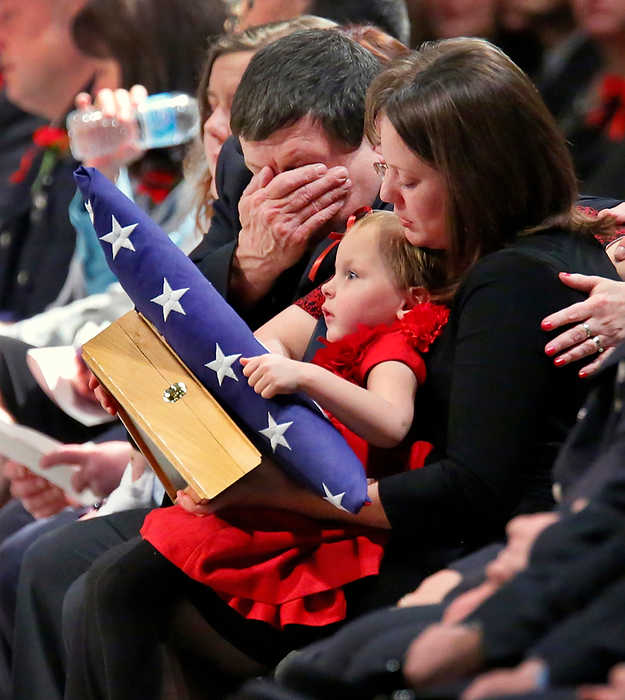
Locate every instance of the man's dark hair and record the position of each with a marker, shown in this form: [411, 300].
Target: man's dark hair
[389, 15]
[320, 72]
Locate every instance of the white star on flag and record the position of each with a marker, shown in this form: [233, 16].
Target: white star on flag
[222, 365]
[170, 299]
[89, 209]
[335, 500]
[275, 432]
[119, 237]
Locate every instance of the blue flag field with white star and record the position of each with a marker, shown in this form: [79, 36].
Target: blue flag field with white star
[210, 337]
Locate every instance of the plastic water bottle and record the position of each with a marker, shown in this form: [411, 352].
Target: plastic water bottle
[166, 119]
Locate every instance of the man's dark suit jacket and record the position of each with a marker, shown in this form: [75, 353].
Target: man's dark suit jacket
[16, 130]
[37, 240]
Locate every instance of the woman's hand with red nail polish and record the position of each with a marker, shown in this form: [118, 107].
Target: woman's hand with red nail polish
[600, 316]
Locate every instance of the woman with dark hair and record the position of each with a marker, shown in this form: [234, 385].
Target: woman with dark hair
[476, 168]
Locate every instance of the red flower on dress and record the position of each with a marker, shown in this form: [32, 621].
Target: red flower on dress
[421, 326]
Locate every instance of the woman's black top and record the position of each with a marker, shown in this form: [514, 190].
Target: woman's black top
[493, 404]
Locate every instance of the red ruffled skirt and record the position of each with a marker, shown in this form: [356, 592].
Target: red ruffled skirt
[270, 565]
[274, 565]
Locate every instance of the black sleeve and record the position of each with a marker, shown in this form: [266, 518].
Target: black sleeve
[585, 647]
[598, 203]
[215, 264]
[506, 403]
[571, 562]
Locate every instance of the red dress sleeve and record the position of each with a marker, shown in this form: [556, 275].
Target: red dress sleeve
[391, 347]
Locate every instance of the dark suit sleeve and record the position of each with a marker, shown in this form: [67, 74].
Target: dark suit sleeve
[598, 203]
[505, 406]
[571, 563]
[584, 647]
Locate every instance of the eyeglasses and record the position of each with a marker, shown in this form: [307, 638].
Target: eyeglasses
[381, 168]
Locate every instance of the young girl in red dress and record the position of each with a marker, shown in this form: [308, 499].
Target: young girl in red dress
[278, 566]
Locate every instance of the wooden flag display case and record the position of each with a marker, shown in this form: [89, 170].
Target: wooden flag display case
[183, 432]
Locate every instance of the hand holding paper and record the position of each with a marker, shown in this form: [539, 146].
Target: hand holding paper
[38, 496]
[25, 447]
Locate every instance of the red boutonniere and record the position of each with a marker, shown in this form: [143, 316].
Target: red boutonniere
[53, 141]
[52, 137]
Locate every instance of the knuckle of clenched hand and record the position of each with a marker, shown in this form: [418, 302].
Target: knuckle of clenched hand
[271, 215]
[282, 230]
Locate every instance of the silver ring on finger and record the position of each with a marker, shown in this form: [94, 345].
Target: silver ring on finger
[586, 328]
[598, 344]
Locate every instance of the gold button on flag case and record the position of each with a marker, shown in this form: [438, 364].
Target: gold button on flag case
[173, 419]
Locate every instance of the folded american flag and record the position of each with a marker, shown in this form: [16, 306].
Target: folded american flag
[209, 337]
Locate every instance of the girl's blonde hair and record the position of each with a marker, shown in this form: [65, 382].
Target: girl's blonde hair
[409, 265]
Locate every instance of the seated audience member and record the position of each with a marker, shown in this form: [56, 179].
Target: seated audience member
[311, 169]
[43, 70]
[468, 488]
[560, 616]
[445, 19]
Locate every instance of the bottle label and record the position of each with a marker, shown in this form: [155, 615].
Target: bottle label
[159, 122]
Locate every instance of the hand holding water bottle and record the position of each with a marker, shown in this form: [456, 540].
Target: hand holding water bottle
[120, 125]
[103, 132]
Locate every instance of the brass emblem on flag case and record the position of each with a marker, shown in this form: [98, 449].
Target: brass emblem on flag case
[174, 392]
